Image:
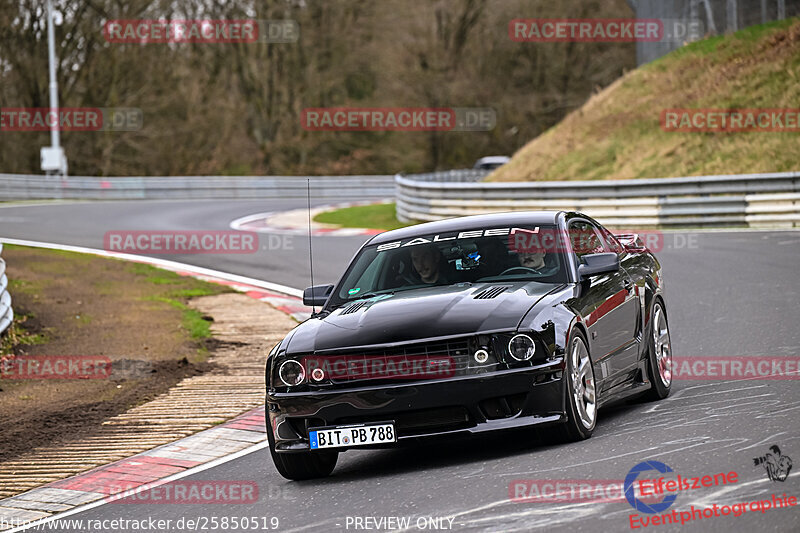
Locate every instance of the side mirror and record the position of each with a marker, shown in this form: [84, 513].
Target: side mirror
[594, 264]
[317, 295]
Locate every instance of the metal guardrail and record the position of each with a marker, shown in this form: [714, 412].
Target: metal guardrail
[467, 175]
[6, 313]
[757, 200]
[37, 187]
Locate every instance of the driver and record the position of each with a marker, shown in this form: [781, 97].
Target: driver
[427, 262]
[534, 260]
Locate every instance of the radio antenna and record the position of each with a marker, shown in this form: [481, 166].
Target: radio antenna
[310, 255]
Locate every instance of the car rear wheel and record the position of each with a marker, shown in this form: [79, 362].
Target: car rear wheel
[659, 354]
[581, 400]
[301, 465]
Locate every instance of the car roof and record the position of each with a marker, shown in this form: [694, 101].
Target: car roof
[494, 159]
[469, 223]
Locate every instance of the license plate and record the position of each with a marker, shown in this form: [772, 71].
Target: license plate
[346, 436]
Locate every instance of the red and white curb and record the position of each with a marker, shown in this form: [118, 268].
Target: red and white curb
[201, 451]
[291, 305]
[242, 435]
[295, 222]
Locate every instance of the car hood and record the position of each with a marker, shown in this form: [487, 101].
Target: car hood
[419, 314]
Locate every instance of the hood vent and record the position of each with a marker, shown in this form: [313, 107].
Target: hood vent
[491, 292]
[355, 307]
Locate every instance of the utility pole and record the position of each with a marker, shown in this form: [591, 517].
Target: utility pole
[711, 27]
[54, 161]
[694, 16]
[732, 16]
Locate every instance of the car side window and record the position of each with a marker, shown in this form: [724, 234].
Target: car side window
[585, 239]
[612, 243]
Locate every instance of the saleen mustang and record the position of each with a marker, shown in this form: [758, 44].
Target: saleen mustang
[469, 325]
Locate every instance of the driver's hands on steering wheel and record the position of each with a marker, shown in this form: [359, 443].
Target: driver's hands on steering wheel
[529, 269]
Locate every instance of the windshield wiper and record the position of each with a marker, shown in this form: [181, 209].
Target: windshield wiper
[370, 295]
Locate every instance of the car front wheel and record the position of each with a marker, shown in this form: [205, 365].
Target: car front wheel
[581, 391]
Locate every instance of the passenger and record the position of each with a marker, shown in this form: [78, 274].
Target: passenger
[427, 261]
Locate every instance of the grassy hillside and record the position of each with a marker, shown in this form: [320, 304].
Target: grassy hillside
[617, 133]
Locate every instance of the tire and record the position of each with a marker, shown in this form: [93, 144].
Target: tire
[301, 465]
[659, 354]
[580, 390]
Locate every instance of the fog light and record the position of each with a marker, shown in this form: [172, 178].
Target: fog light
[521, 347]
[317, 374]
[292, 373]
[481, 356]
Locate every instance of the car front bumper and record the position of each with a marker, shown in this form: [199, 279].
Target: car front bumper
[423, 409]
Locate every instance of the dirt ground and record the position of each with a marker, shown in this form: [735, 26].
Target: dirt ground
[79, 305]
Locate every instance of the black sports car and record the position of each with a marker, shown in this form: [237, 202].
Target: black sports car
[469, 325]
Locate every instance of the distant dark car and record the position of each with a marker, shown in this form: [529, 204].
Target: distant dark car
[465, 326]
[491, 162]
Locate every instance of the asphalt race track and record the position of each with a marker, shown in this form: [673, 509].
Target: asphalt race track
[85, 224]
[727, 294]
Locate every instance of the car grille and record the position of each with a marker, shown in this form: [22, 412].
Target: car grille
[419, 422]
[408, 423]
[454, 353]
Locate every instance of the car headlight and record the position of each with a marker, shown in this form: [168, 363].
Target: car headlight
[521, 347]
[291, 373]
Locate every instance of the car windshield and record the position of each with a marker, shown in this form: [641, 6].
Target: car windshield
[471, 256]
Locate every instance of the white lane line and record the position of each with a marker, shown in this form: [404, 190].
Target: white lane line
[681, 393]
[179, 475]
[288, 221]
[172, 265]
[4, 205]
[771, 438]
[164, 263]
[241, 221]
[577, 511]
